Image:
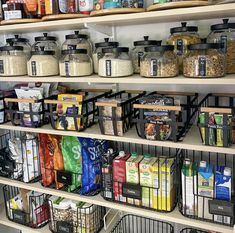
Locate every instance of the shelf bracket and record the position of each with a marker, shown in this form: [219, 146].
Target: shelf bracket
[104, 29]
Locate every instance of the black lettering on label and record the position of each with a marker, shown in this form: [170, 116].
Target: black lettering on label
[180, 46]
[153, 65]
[1, 67]
[202, 66]
[66, 68]
[34, 69]
[108, 67]
[224, 43]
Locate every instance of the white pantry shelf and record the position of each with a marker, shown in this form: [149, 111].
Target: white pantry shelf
[192, 13]
[135, 79]
[173, 216]
[192, 140]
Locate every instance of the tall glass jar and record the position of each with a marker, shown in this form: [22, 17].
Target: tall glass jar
[225, 33]
[181, 37]
[159, 62]
[97, 54]
[137, 52]
[204, 60]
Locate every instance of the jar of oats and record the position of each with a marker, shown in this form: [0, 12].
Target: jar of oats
[43, 63]
[13, 61]
[224, 33]
[181, 37]
[75, 62]
[159, 62]
[138, 51]
[204, 60]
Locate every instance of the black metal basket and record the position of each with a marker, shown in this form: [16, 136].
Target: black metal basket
[19, 157]
[216, 119]
[34, 209]
[207, 194]
[75, 119]
[158, 193]
[132, 224]
[164, 122]
[116, 113]
[192, 230]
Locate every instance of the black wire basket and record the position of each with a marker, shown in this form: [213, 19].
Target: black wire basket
[192, 230]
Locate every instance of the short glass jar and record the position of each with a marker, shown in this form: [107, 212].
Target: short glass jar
[97, 54]
[43, 63]
[116, 62]
[204, 60]
[224, 33]
[13, 61]
[159, 62]
[75, 63]
[138, 52]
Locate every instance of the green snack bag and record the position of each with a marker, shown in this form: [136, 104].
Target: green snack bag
[202, 129]
[71, 150]
[219, 132]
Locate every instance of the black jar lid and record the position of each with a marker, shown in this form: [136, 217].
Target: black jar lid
[41, 51]
[45, 37]
[16, 39]
[146, 42]
[76, 35]
[184, 28]
[107, 43]
[74, 51]
[204, 46]
[114, 50]
[224, 25]
[162, 48]
[11, 48]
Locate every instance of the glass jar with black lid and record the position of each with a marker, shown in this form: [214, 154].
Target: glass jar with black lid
[97, 54]
[204, 60]
[224, 33]
[137, 52]
[159, 62]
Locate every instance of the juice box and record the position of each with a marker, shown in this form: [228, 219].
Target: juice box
[119, 175]
[132, 173]
[146, 179]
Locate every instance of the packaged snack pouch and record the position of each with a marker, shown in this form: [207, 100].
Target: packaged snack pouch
[71, 150]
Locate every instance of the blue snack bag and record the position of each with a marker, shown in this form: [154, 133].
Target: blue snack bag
[92, 153]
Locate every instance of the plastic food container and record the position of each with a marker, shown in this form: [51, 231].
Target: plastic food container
[181, 37]
[225, 33]
[205, 60]
[43, 63]
[138, 51]
[159, 61]
[80, 40]
[13, 61]
[116, 62]
[97, 54]
[75, 62]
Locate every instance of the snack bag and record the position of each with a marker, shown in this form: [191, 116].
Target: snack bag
[71, 150]
[92, 153]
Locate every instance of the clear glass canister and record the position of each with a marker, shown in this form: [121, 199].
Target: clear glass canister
[159, 61]
[224, 33]
[75, 62]
[97, 54]
[181, 37]
[43, 63]
[137, 52]
[49, 43]
[80, 40]
[13, 61]
[17, 41]
[204, 60]
[116, 62]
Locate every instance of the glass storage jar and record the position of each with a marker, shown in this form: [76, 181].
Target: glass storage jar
[181, 37]
[138, 51]
[224, 33]
[159, 62]
[13, 61]
[97, 54]
[43, 63]
[49, 43]
[80, 40]
[204, 60]
[17, 41]
[116, 62]
[75, 62]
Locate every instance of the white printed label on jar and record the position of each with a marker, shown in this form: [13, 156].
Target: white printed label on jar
[153, 67]
[108, 68]
[17, 14]
[202, 66]
[1, 67]
[34, 69]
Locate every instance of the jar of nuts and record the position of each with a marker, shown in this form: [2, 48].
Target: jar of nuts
[224, 33]
[181, 37]
[159, 62]
[205, 60]
[138, 51]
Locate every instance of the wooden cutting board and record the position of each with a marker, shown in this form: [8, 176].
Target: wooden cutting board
[112, 11]
[63, 16]
[18, 21]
